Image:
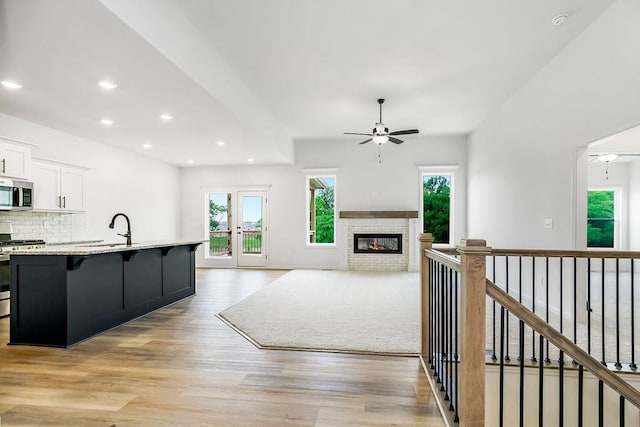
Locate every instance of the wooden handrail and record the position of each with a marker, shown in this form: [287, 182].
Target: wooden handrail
[567, 253]
[563, 343]
[442, 258]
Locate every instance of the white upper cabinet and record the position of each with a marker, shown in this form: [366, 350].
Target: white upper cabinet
[57, 186]
[15, 158]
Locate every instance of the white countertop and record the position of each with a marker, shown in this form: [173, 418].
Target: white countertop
[91, 248]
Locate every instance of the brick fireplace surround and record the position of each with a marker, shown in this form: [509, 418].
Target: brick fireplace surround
[386, 222]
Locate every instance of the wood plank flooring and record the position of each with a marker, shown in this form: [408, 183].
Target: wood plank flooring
[181, 366]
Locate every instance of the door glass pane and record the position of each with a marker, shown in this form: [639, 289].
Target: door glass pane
[251, 224]
[219, 220]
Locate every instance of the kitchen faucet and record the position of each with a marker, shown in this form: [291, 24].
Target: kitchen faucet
[128, 233]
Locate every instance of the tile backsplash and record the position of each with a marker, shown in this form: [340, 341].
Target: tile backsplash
[49, 226]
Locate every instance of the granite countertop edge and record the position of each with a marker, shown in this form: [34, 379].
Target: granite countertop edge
[102, 248]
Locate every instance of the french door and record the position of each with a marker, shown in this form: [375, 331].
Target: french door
[237, 228]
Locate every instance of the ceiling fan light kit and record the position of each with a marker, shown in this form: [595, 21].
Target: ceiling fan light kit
[380, 133]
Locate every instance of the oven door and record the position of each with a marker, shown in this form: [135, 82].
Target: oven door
[5, 281]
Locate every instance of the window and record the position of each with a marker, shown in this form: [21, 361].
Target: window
[321, 209]
[437, 194]
[601, 219]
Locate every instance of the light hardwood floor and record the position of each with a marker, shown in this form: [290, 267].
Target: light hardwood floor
[181, 366]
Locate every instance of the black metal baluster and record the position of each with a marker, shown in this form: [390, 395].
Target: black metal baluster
[521, 355]
[561, 287]
[521, 359]
[442, 339]
[589, 305]
[541, 383]
[436, 308]
[501, 398]
[633, 333]
[618, 364]
[561, 390]
[546, 292]
[493, 347]
[439, 325]
[450, 347]
[575, 300]
[445, 342]
[456, 418]
[506, 272]
[432, 311]
[580, 394]
[604, 358]
[622, 411]
[533, 307]
[600, 404]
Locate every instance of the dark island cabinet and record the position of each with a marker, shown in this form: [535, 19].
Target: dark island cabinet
[60, 300]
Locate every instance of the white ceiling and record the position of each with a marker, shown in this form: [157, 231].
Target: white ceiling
[260, 74]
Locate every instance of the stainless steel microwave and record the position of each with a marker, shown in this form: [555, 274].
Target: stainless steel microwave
[16, 195]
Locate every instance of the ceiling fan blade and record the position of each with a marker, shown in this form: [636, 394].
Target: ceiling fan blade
[405, 132]
[365, 141]
[395, 140]
[355, 133]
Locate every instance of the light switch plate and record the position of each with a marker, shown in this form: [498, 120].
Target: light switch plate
[548, 223]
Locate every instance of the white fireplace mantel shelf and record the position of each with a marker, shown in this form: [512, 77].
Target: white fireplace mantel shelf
[378, 214]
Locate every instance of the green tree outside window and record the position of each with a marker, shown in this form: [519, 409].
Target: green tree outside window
[436, 195]
[601, 219]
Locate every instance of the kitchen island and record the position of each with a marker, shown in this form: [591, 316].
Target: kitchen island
[62, 295]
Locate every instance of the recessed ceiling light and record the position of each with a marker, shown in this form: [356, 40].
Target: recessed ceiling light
[106, 122]
[250, 160]
[107, 84]
[11, 85]
[190, 162]
[166, 117]
[559, 20]
[147, 145]
[220, 143]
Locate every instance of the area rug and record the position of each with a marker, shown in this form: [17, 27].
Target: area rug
[341, 311]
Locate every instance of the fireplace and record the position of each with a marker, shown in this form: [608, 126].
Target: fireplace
[377, 243]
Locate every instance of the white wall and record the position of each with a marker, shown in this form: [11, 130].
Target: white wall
[362, 184]
[119, 181]
[522, 159]
[634, 206]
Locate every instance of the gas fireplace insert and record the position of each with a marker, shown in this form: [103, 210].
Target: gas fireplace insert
[376, 243]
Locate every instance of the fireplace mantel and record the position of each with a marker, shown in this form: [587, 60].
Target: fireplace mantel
[378, 214]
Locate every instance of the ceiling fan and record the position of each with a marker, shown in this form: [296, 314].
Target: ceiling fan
[380, 133]
[609, 157]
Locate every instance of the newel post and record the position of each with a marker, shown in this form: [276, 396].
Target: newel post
[426, 242]
[473, 253]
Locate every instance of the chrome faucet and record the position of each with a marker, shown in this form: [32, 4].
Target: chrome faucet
[128, 233]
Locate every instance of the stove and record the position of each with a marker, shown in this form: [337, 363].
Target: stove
[6, 246]
[21, 244]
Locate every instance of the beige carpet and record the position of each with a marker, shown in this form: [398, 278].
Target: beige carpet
[344, 311]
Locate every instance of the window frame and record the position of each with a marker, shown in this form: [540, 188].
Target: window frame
[320, 173]
[617, 216]
[450, 170]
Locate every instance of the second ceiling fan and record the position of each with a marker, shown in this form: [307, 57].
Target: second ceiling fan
[380, 133]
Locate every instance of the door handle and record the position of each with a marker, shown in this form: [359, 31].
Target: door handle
[59, 201]
[64, 201]
[4, 165]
